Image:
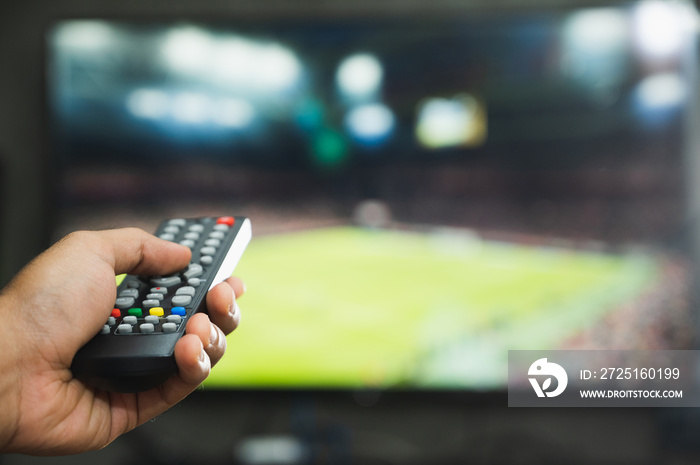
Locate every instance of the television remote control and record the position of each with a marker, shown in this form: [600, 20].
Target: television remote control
[134, 351]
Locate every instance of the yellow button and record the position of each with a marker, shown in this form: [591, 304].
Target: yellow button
[157, 311]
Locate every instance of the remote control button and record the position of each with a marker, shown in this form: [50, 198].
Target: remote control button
[187, 243]
[124, 302]
[220, 227]
[157, 311]
[166, 281]
[167, 237]
[212, 242]
[227, 220]
[135, 312]
[129, 320]
[187, 290]
[207, 251]
[206, 260]
[192, 235]
[116, 313]
[134, 284]
[104, 330]
[172, 229]
[155, 296]
[111, 321]
[129, 293]
[181, 300]
[178, 311]
[169, 327]
[194, 282]
[217, 235]
[124, 329]
[177, 319]
[193, 271]
[153, 319]
[198, 228]
[177, 222]
[159, 290]
[146, 328]
[149, 303]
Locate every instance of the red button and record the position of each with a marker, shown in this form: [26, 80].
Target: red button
[228, 220]
[116, 313]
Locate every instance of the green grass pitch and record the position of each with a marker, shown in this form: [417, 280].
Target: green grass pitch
[349, 307]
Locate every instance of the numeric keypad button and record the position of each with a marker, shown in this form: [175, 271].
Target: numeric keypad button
[124, 302]
[181, 300]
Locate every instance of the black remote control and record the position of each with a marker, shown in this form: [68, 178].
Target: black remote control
[134, 350]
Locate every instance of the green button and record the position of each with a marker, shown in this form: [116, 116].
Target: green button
[135, 311]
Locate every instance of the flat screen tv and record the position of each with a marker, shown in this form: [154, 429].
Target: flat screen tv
[426, 193]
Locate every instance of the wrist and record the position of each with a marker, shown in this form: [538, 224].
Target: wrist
[10, 381]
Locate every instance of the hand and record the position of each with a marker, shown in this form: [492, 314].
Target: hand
[60, 301]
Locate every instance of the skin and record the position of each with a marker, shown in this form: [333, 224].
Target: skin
[60, 301]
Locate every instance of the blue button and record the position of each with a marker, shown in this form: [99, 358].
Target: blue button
[178, 311]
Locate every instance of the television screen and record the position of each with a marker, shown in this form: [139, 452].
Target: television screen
[425, 193]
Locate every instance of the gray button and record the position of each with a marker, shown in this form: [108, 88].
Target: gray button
[212, 242]
[159, 290]
[166, 281]
[104, 330]
[111, 321]
[132, 284]
[221, 227]
[167, 237]
[172, 229]
[155, 296]
[153, 319]
[187, 243]
[187, 290]
[124, 302]
[173, 319]
[130, 320]
[150, 303]
[177, 222]
[146, 328]
[196, 228]
[124, 329]
[207, 250]
[194, 282]
[129, 293]
[217, 235]
[191, 235]
[206, 260]
[181, 300]
[169, 327]
[193, 270]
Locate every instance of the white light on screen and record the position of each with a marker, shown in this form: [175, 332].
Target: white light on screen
[233, 58]
[370, 123]
[148, 103]
[233, 113]
[86, 36]
[276, 67]
[191, 108]
[187, 50]
[660, 28]
[460, 121]
[597, 30]
[359, 75]
[662, 91]
[241, 63]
